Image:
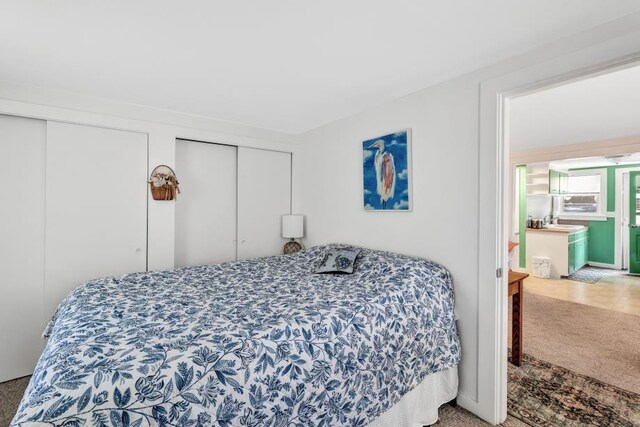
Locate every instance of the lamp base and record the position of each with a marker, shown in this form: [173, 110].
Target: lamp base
[291, 247]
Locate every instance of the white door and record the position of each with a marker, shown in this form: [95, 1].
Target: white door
[264, 195]
[205, 218]
[22, 150]
[96, 207]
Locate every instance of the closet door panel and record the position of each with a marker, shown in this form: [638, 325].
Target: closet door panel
[206, 208]
[96, 206]
[22, 148]
[264, 195]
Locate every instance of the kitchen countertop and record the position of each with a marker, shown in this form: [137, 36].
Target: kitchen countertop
[559, 229]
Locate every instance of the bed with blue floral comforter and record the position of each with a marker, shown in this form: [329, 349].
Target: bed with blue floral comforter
[264, 342]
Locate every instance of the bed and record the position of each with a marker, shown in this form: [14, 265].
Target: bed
[264, 342]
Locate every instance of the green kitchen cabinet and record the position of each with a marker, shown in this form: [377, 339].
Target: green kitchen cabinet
[578, 250]
[554, 182]
[558, 182]
[563, 182]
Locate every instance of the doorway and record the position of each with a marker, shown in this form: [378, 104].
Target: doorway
[570, 324]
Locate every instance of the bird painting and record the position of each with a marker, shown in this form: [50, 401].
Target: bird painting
[385, 172]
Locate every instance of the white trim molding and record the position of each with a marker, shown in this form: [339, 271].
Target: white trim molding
[605, 147]
[601, 215]
[602, 265]
[618, 216]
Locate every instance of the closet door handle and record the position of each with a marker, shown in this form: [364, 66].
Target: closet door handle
[243, 242]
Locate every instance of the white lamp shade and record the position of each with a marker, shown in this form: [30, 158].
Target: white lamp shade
[292, 226]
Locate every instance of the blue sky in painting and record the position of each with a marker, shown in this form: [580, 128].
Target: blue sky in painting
[396, 144]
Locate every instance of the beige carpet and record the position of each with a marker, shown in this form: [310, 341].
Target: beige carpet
[10, 395]
[458, 417]
[598, 343]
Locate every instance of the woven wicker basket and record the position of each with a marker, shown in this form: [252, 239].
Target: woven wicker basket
[163, 183]
[162, 193]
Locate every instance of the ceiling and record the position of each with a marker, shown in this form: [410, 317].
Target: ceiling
[599, 108]
[285, 65]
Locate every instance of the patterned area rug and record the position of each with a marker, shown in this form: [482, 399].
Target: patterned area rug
[542, 394]
[590, 274]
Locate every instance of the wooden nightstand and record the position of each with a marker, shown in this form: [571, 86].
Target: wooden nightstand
[516, 291]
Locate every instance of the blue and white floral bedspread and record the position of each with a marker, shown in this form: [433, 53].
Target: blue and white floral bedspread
[263, 342]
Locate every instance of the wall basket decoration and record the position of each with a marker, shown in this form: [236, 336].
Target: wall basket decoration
[164, 183]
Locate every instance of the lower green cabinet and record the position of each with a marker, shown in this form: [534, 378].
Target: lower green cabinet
[578, 250]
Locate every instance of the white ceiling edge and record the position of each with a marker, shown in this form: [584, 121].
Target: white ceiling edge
[21, 92]
[50, 97]
[620, 27]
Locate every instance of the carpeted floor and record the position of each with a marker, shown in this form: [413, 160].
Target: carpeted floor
[10, 394]
[590, 274]
[598, 343]
[459, 417]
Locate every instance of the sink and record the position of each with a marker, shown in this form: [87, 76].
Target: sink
[568, 227]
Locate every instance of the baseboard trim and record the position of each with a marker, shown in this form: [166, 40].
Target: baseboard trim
[602, 265]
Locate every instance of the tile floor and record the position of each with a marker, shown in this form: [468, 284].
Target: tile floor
[617, 293]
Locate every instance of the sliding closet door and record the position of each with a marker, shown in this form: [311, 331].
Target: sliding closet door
[264, 195]
[206, 207]
[22, 150]
[96, 207]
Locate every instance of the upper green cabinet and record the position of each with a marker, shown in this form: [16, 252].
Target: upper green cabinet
[557, 182]
[554, 182]
[564, 181]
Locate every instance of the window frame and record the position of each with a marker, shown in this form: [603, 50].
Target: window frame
[601, 214]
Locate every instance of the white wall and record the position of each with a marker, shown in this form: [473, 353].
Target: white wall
[539, 206]
[162, 128]
[444, 226]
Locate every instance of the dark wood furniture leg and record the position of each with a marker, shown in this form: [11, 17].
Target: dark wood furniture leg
[516, 326]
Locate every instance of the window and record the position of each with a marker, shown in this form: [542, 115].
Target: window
[586, 194]
[584, 203]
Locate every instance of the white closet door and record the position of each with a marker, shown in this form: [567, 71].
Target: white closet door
[264, 195]
[206, 207]
[22, 150]
[96, 208]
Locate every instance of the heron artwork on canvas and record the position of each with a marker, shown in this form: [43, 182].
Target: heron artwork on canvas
[386, 172]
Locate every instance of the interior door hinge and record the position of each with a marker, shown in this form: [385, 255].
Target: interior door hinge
[499, 273]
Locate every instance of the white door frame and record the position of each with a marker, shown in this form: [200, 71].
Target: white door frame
[583, 61]
[618, 217]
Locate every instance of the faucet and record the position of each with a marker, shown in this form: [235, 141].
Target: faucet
[545, 221]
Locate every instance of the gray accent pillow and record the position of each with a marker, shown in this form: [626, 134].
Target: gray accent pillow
[338, 260]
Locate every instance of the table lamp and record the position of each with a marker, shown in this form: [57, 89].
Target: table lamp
[292, 228]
